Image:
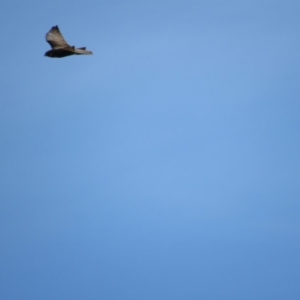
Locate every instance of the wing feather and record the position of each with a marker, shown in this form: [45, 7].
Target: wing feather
[56, 39]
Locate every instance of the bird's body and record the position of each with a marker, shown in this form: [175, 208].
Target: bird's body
[60, 48]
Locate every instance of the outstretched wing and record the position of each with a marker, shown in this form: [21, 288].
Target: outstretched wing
[55, 38]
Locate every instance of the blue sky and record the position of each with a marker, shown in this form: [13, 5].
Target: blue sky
[165, 166]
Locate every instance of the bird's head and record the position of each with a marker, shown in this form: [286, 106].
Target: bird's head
[49, 53]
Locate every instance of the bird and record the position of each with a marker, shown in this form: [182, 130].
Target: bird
[60, 48]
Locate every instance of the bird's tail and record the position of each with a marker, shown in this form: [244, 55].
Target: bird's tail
[83, 50]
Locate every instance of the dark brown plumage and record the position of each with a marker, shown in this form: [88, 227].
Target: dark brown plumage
[60, 48]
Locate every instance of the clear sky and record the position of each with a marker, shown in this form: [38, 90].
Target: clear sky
[166, 166]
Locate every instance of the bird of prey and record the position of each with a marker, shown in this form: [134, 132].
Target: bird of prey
[60, 48]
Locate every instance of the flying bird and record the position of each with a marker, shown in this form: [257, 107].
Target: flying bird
[60, 48]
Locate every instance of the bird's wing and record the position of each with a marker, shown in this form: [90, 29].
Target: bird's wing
[55, 38]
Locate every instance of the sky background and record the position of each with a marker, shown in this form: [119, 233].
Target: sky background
[165, 166]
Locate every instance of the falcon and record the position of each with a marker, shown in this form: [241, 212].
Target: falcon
[60, 48]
